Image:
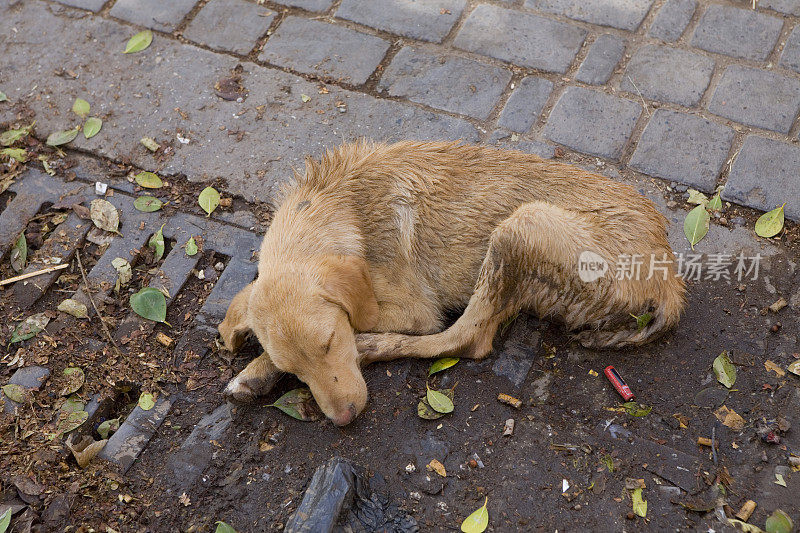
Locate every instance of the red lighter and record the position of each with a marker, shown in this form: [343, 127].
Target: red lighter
[619, 384]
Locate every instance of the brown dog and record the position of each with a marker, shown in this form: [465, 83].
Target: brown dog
[386, 239]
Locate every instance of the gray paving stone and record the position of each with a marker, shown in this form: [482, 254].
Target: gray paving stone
[446, 82]
[133, 435]
[430, 20]
[311, 5]
[316, 47]
[764, 175]
[668, 74]
[525, 104]
[195, 454]
[231, 25]
[672, 19]
[737, 32]
[505, 139]
[526, 40]
[757, 98]
[592, 122]
[287, 130]
[155, 14]
[602, 59]
[91, 5]
[683, 148]
[790, 57]
[790, 7]
[623, 14]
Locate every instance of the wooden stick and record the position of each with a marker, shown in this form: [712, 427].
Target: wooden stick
[89, 295]
[33, 274]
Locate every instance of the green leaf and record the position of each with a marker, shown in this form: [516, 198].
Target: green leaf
[794, 368]
[150, 143]
[3, 98]
[209, 199]
[779, 522]
[149, 180]
[18, 154]
[442, 364]
[75, 380]
[191, 247]
[9, 137]
[156, 242]
[222, 527]
[696, 197]
[639, 505]
[439, 402]
[150, 303]
[478, 521]
[715, 204]
[74, 308]
[724, 370]
[637, 409]
[69, 421]
[771, 223]
[139, 42]
[146, 401]
[305, 98]
[92, 127]
[147, 204]
[108, 427]
[80, 107]
[62, 137]
[15, 393]
[642, 320]
[299, 404]
[73, 404]
[19, 253]
[5, 518]
[424, 409]
[695, 226]
[29, 328]
[104, 215]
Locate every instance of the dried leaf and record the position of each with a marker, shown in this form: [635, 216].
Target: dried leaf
[696, 197]
[17, 154]
[104, 215]
[439, 401]
[724, 370]
[19, 253]
[14, 392]
[442, 364]
[85, 450]
[58, 138]
[123, 268]
[695, 226]
[478, 521]
[74, 308]
[436, 466]
[139, 42]
[9, 137]
[148, 180]
[794, 368]
[75, 379]
[92, 127]
[730, 418]
[147, 204]
[299, 404]
[80, 107]
[191, 247]
[209, 199]
[779, 480]
[29, 328]
[305, 98]
[146, 402]
[769, 365]
[639, 504]
[637, 409]
[150, 303]
[771, 223]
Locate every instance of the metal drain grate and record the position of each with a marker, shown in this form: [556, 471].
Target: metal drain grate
[35, 189]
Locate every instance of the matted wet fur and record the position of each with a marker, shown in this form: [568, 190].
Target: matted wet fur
[374, 243]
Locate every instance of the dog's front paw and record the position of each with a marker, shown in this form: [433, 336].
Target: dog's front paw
[245, 389]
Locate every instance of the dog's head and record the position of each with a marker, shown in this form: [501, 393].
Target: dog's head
[305, 317]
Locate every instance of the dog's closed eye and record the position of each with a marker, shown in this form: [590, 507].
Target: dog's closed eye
[327, 346]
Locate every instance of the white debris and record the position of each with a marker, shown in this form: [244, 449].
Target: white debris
[564, 485]
[100, 188]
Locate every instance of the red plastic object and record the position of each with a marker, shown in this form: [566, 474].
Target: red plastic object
[619, 383]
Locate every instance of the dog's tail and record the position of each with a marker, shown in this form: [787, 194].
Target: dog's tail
[665, 316]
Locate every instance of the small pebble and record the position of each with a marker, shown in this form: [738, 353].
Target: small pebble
[219, 267]
[672, 204]
[473, 463]
[630, 515]
[764, 457]
[775, 327]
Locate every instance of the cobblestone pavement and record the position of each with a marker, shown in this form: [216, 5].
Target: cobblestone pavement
[664, 94]
[695, 93]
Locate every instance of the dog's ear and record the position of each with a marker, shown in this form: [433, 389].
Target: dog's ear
[346, 282]
[235, 327]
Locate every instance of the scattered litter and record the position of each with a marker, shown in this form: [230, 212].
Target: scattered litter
[410, 468]
[564, 486]
[778, 305]
[619, 384]
[746, 510]
[182, 139]
[771, 366]
[508, 429]
[705, 441]
[729, 417]
[779, 522]
[593, 373]
[509, 400]
[436, 466]
[477, 460]
[100, 188]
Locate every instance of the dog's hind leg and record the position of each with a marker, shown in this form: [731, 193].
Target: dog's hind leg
[532, 264]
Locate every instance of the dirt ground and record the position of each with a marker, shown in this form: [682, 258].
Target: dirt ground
[570, 431]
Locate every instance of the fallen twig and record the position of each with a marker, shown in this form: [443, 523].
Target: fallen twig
[33, 274]
[89, 295]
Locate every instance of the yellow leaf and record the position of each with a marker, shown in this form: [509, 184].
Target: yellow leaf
[436, 466]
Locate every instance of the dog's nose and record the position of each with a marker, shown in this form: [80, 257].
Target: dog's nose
[344, 418]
